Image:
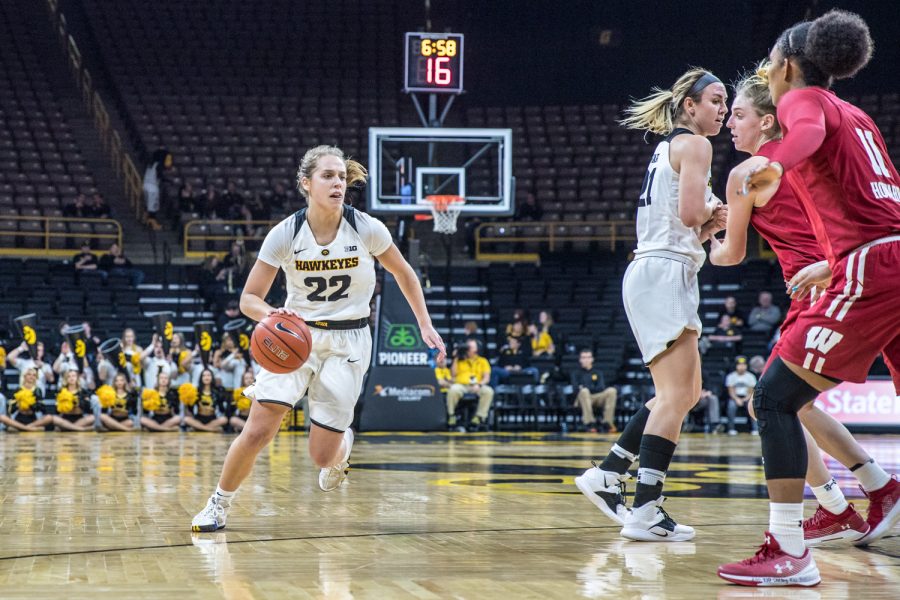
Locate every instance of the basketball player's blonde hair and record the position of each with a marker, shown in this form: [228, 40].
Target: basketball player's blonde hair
[754, 86]
[356, 173]
[658, 112]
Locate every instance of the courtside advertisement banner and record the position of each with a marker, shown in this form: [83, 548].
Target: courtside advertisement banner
[873, 403]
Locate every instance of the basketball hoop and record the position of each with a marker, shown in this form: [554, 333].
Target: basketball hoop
[445, 210]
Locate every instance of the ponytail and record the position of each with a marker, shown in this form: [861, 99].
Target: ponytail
[658, 112]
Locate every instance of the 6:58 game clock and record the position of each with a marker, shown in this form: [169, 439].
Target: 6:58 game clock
[434, 62]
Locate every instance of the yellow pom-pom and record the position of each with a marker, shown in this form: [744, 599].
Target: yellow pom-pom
[107, 396]
[65, 401]
[150, 399]
[182, 356]
[187, 394]
[2, 357]
[25, 399]
[136, 363]
[240, 400]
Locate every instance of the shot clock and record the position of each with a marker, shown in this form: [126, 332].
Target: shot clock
[434, 62]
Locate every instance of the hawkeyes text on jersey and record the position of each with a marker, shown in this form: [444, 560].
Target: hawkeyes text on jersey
[333, 281]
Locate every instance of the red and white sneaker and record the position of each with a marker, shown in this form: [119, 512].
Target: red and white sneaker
[884, 511]
[772, 566]
[826, 526]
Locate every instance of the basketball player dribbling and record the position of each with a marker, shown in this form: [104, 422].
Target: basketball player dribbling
[676, 213]
[836, 161]
[327, 252]
[779, 217]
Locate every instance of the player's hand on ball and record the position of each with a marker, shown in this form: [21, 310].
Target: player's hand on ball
[433, 339]
[284, 311]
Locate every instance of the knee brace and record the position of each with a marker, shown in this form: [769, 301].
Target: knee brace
[777, 398]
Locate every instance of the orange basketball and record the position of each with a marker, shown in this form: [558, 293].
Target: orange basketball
[281, 343]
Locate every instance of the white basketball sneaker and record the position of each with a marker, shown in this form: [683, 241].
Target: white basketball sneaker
[651, 523]
[606, 489]
[212, 518]
[331, 478]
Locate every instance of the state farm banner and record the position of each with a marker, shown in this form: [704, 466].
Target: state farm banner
[874, 402]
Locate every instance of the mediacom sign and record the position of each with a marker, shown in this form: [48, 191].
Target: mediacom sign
[870, 403]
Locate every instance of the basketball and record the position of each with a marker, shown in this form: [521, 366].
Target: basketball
[281, 343]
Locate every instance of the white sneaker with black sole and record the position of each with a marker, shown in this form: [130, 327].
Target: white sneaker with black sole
[651, 523]
[211, 518]
[331, 478]
[606, 490]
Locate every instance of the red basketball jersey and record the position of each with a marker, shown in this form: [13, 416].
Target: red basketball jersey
[838, 164]
[783, 223]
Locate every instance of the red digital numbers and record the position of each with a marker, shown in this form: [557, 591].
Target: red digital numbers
[437, 71]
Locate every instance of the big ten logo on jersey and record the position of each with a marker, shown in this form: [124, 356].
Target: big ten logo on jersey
[819, 341]
[349, 248]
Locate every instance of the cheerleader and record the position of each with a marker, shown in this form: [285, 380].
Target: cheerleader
[182, 357]
[118, 403]
[25, 406]
[73, 404]
[229, 364]
[161, 410]
[45, 374]
[134, 354]
[242, 403]
[208, 412]
[155, 363]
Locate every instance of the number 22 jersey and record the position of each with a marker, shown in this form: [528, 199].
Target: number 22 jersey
[333, 282]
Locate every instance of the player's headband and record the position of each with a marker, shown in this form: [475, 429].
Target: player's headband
[700, 84]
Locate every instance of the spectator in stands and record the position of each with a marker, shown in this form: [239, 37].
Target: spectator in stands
[709, 404]
[512, 359]
[740, 384]
[757, 365]
[765, 315]
[85, 260]
[207, 204]
[279, 200]
[187, 203]
[232, 311]
[114, 262]
[442, 375]
[471, 331]
[24, 411]
[152, 184]
[542, 335]
[591, 391]
[99, 209]
[234, 268]
[211, 287]
[529, 210]
[45, 375]
[726, 334]
[77, 209]
[471, 375]
[230, 203]
[209, 412]
[519, 329]
[167, 415]
[121, 408]
[735, 316]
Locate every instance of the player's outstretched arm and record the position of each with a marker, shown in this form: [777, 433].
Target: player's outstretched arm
[409, 284]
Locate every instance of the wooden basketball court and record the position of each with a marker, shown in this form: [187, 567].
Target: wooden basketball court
[422, 516]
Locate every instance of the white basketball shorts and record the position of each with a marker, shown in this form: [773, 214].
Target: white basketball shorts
[661, 297]
[333, 374]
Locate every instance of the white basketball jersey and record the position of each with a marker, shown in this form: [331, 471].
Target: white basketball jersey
[659, 227]
[333, 282]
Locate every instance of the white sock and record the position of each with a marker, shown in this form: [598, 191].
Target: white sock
[223, 496]
[831, 497]
[871, 476]
[650, 476]
[623, 453]
[786, 525]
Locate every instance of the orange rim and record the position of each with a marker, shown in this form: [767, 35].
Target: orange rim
[441, 202]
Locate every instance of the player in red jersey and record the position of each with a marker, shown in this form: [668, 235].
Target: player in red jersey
[834, 158]
[778, 216]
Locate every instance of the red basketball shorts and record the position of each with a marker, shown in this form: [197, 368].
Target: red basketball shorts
[857, 318]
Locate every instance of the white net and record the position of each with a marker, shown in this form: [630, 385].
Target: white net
[445, 213]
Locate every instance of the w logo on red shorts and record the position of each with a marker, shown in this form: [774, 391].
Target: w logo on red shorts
[820, 340]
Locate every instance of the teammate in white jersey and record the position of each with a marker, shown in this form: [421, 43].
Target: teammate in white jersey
[676, 213]
[328, 253]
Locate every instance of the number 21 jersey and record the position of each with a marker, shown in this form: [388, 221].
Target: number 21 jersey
[659, 228]
[333, 282]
